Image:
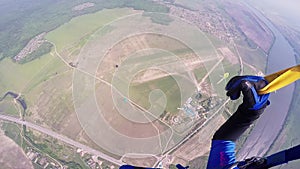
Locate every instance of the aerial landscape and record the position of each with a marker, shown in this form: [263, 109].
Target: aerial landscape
[99, 84]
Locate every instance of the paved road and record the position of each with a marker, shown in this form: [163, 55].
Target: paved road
[62, 138]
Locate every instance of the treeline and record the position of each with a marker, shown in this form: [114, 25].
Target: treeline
[159, 18]
[20, 22]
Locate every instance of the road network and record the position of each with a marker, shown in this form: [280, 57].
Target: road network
[61, 138]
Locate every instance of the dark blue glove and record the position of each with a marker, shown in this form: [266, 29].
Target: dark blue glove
[253, 163]
[248, 85]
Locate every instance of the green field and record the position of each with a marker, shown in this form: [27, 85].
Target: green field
[140, 93]
[16, 77]
[32, 78]
[46, 82]
[78, 28]
[13, 131]
[8, 106]
[35, 18]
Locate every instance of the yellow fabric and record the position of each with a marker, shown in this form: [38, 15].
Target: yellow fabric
[280, 79]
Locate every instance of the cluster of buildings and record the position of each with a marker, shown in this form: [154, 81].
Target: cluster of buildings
[31, 46]
[46, 162]
[196, 107]
[92, 161]
[209, 20]
[83, 6]
[41, 160]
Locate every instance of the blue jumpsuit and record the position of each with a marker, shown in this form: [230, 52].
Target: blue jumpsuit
[222, 154]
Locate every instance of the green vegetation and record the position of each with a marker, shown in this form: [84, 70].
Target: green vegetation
[42, 50]
[15, 76]
[190, 4]
[49, 75]
[9, 107]
[12, 131]
[46, 146]
[172, 166]
[36, 166]
[139, 93]
[50, 146]
[199, 162]
[200, 73]
[18, 28]
[232, 69]
[254, 56]
[159, 18]
[72, 164]
[74, 34]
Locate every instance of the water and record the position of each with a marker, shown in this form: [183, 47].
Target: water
[16, 96]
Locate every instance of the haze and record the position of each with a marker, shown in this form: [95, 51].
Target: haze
[288, 10]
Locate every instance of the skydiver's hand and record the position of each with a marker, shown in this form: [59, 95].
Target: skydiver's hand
[252, 107]
[248, 85]
[253, 163]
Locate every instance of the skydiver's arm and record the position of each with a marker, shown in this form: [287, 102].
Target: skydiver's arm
[222, 151]
[223, 147]
[237, 124]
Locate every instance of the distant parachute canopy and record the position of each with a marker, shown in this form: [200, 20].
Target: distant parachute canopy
[226, 75]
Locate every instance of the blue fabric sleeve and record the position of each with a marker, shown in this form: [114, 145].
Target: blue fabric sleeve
[222, 153]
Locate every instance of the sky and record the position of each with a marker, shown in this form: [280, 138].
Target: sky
[288, 10]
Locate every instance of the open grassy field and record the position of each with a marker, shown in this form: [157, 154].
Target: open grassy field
[125, 120]
[140, 93]
[124, 61]
[74, 31]
[8, 106]
[13, 132]
[199, 144]
[46, 83]
[254, 57]
[137, 74]
[35, 18]
[15, 76]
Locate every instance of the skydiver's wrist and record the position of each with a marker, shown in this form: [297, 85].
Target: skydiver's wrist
[246, 107]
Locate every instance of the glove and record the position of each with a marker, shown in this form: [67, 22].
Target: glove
[252, 107]
[248, 85]
[253, 163]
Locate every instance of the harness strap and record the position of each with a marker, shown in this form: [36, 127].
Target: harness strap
[284, 156]
[281, 79]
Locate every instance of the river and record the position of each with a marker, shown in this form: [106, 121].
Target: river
[18, 98]
[269, 125]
